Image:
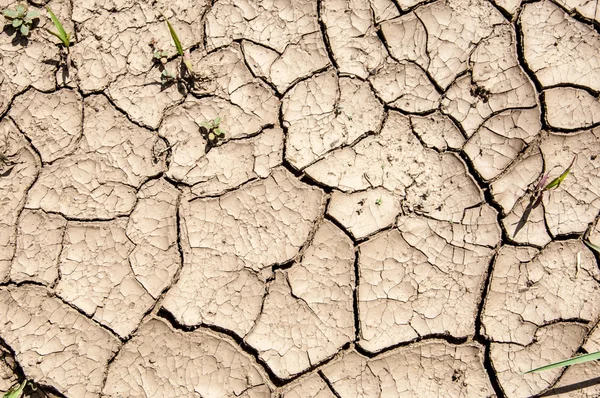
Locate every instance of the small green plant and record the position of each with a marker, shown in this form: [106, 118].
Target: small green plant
[213, 131]
[21, 18]
[538, 193]
[62, 35]
[184, 54]
[378, 201]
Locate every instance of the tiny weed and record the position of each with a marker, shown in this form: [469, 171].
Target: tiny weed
[21, 18]
[378, 201]
[213, 131]
[62, 35]
[538, 194]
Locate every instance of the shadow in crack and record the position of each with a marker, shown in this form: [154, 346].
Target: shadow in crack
[571, 387]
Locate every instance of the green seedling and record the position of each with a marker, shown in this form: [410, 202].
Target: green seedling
[538, 194]
[214, 132]
[21, 18]
[378, 201]
[62, 35]
[184, 54]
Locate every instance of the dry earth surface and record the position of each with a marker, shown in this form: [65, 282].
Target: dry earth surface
[352, 235]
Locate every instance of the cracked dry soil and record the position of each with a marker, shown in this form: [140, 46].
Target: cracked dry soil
[354, 233]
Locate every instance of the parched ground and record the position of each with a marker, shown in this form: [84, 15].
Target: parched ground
[356, 233]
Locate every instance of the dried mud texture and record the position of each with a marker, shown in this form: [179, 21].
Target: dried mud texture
[176, 364]
[410, 286]
[368, 225]
[427, 369]
[54, 344]
[237, 238]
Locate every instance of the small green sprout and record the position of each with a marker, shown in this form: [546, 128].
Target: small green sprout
[21, 18]
[62, 35]
[184, 54]
[538, 193]
[214, 132]
[378, 201]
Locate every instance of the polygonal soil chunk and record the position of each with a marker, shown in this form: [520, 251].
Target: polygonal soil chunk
[95, 275]
[424, 278]
[363, 213]
[82, 187]
[163, 362]
[152, 227]
[143, 98]
[500, 139]
[576, 202]
[18, 169]
[496, 82]
[24, 66]
[274, 24]
[571, 108]
[406, 39]
[236, 237]
[297, 61]
[405, 86]
[552, 343]
[323, 113]
[352, 36]
[123, 145]
[549, 35]
[54, 344]
[427, 369]
[531, 288]
[307, 315]
[311, 386]
[437, 184]
[453, 29]
[39, 243]
[53, 122]
[437, 131]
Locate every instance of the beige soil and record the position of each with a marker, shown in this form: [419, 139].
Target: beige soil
[355, 233]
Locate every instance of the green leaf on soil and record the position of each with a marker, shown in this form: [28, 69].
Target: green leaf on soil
[568, 362]
[174, 36]
[62, 34]
[558, 180]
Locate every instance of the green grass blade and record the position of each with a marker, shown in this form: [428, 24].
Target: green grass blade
[174, 36]
[62, 35]
[558, 180]
[592, 246]
[568, 362]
